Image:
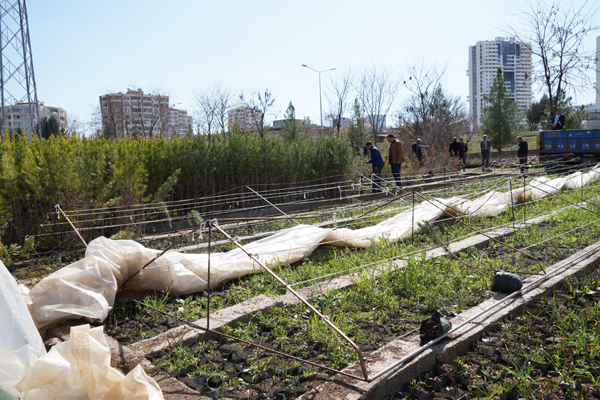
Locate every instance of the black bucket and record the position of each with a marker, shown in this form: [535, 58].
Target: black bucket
[505, 282]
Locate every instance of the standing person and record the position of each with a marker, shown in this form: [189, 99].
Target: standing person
[396, 158]
[485, 152]
[454, 149]
[462, 153]
[378, 164]
[365, 150]
[558, 122]
[416, 149]
[522, 152]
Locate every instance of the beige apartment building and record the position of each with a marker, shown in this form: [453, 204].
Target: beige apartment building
[135, 112]
[18, 116]
[245, 117]
[179, 122]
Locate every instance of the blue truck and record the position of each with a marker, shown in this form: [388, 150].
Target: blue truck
[582, 145]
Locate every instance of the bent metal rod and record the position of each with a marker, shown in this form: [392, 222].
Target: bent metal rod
[324, 318]
[280, 353]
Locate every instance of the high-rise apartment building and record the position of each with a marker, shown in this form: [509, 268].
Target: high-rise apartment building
[179, 121]
[18, 116]
[134, 111]
[245, 117]
[514, 58]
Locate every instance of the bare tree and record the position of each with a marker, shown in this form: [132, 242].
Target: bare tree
[337, 97]
[555, 32]
[207, 110]
[261, 102]
[377, 90]
[423, 78]
[213, 104]
[110, 115]
[74, 126]
[223, 98]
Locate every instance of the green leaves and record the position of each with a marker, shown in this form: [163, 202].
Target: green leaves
[83, 172]
[497, 115]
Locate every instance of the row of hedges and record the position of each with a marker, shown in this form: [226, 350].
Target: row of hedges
[82, 172]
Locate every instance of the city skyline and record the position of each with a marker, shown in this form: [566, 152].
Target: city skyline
[191, 45]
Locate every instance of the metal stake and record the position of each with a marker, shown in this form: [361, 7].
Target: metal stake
[277, 208]
[412, 227]
[72, 226]
[208, 279]
[323, 318]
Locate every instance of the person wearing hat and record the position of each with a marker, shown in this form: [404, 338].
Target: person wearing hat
[377, 162]
[416, 149]
[558, 122]
[396, 158]
[485, 152]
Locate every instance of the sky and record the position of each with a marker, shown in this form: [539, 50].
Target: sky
[83, 49]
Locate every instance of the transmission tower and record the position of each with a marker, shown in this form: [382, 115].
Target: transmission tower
[20, 108]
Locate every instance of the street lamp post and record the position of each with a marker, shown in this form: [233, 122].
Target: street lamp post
[320, 95]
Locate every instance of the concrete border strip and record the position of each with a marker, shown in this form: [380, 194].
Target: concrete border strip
[456, 344]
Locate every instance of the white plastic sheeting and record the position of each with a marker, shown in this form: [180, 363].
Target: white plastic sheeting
[77, 369]
[80, 369]
[88, 287]
[20, 342]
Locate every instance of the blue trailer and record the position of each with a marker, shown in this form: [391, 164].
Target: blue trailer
[582, 145]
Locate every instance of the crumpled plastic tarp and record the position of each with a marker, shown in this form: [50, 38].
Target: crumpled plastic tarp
[88, 287]
[80, 369]
[76, 369]
[20, 341]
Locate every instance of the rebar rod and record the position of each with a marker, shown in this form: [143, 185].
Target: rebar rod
[161, 254]
[324, 318]
[274, 206]
[280, 353]
[70, 223]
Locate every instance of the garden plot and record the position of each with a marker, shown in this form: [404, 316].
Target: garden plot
[376, 310]
[552, 350]
[130, 322]
[355, 333]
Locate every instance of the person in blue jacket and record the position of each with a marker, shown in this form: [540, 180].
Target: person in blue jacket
[378, 164]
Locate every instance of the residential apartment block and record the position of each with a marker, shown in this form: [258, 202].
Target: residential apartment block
[179, 121]
[514, 58]
[18, 116]
[134, 111]
[245, 117]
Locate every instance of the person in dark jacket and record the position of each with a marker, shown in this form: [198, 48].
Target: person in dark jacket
[396, 158]
[377, 162]
[485, 146]
[462, 153]
[454, 148]
[522, 152]
[558, 122]
[416, 149]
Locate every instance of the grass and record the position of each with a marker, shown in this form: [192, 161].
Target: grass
[379, 307]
